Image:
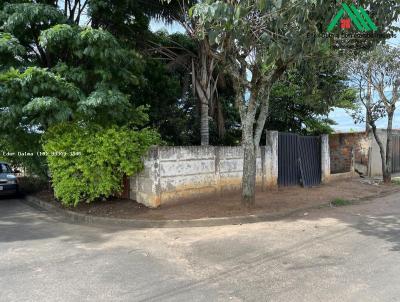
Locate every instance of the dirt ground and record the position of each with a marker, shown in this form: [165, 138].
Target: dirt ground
[273, 202]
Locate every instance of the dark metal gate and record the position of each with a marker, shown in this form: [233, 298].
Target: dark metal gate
[299, 160]
[396, 154]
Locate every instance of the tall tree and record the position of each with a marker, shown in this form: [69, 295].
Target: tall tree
[201, 65]
[376, 74]
[302, 99]
[257, 40]
[60, 72]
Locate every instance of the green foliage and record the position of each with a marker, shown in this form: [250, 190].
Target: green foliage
[19, 140]
[57, 36]
[264, 38]
[129, 20]
[25, 21]
[257, 41]
[126, 19]
[168, 112]
[36, 98]
[339, 202]
[18, 17]
[301, 101]
[11, 51]
[53, 72]
[96, 159]
[377, 74]
[273, 29]
[91, 57]
[88, 74]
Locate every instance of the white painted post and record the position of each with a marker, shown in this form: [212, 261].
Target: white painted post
[271, 159]
[325, 159]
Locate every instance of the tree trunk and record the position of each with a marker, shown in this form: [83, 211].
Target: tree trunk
[252, 125]
[387, 176]
[249, 167]
[249, 144]
[219, 117]
[205, 87]
[368, 101]
[204, 126]
[251, 137]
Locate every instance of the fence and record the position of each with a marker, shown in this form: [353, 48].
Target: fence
[299, 160]
[177, 173]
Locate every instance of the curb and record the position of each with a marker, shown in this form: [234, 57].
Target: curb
[79, 218]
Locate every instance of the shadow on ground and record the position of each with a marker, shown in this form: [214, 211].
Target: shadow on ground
[385, 227]
[19, 222]
[378, 218]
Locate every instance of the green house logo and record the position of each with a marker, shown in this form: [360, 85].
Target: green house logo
[357, 16]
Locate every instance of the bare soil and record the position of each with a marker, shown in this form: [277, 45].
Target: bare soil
[270, 202]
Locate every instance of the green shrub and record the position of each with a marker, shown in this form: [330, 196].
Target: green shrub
[339, 202]
[95, 159]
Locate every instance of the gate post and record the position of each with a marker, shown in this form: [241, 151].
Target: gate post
[271, 160]
[325, 159]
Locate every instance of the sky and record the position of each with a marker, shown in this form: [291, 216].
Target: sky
[342, 118]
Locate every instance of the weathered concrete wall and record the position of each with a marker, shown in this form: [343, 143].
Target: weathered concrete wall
[349, 151]
[174, 173]
[375, 161]
[375, 165]
[145, 187]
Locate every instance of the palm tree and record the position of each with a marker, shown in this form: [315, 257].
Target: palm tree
[198, 62]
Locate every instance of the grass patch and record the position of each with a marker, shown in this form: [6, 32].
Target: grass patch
[339, 202]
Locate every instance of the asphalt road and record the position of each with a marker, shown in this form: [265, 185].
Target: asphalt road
[339, 254]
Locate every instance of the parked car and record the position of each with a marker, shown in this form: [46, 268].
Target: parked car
[8, 180]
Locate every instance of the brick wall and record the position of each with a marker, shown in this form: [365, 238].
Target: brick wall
[341, 146]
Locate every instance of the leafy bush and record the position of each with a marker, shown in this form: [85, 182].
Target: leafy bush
[95, 159]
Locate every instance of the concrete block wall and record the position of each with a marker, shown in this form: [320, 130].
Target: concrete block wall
[186, 171]
[174, 173]
[145, 186]
[177, 173]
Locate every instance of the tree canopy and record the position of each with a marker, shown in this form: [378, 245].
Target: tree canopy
[240, 68]
[257, 41]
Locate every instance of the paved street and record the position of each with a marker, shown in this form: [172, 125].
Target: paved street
[343, 254]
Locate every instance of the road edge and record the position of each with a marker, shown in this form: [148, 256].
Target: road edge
[80, 218]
